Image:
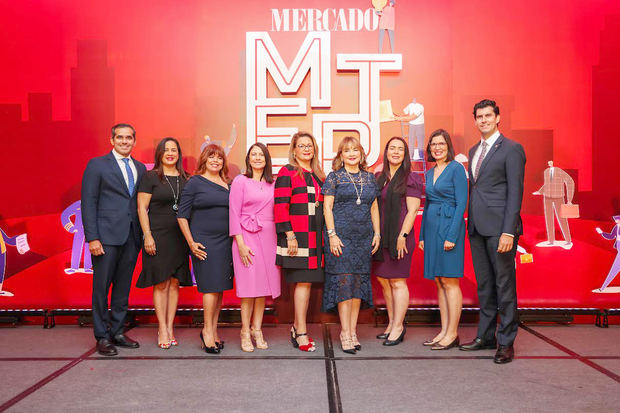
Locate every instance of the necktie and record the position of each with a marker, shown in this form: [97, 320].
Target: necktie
[483, 152]
[130, 183]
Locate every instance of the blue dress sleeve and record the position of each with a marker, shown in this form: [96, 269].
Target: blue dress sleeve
[329, 187]
[459, 180]
[187, 199]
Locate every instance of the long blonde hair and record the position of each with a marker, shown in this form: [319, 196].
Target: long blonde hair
[355, 143]
[314, 164]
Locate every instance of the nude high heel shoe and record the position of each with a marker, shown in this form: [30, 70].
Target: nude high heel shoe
[257, 335]
[246, 342]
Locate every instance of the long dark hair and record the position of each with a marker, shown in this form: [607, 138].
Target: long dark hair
[212, 149]
[160, 150]
[267, 174]
[400, 186]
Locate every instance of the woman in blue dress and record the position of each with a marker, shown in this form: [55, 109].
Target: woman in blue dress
[442, 236]
[353, 235]
[203, 218]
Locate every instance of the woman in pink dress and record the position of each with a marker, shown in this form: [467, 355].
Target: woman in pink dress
[252, 225]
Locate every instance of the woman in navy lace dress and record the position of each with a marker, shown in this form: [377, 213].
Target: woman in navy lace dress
[352, 232]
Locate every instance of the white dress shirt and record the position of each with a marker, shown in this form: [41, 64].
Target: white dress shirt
[121, 164]
[490, 142]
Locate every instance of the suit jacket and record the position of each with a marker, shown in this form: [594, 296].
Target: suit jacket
[554, 187]
[495, 195]
[109, 213]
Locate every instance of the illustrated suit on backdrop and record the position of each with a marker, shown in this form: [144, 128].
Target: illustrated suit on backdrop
[614, 234]
[556, 183]
[79, 241]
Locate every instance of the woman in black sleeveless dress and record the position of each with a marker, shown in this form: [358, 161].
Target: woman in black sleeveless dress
[165, 255]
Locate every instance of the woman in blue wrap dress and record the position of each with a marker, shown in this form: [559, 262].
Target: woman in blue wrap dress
[442, 235]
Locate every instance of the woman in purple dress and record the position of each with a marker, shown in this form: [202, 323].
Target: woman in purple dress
[252, 225]
[401, 191]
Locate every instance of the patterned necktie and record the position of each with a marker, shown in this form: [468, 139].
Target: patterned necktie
[130, 183]
[480, 159]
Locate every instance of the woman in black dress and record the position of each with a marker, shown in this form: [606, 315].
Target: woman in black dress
[203, 218]
[165, 256]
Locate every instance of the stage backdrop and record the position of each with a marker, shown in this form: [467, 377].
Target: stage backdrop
[236, 72]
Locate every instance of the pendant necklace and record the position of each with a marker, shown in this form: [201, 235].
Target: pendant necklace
[359, 194]
[175, 206]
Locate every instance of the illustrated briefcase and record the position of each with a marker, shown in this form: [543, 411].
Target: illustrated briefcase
[569, 211]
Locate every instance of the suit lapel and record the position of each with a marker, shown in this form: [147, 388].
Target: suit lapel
[116, 171]
[490, 154]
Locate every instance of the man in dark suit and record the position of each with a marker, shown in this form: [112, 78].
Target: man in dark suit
[112, 230]
[496, 175]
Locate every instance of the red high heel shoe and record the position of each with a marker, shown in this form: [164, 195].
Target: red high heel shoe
[303, 347]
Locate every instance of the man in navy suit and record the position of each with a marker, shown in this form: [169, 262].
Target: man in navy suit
[496, 174]
[112, 230]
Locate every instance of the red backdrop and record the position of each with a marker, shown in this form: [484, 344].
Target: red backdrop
[71, 69]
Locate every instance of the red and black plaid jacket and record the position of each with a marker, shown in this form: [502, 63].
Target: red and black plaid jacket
[296, 202]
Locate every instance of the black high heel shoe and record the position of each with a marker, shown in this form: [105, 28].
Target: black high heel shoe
[210, 350]
[294, 337]
[220, 344]
[383, 336]
[399, 340]
[454, 343]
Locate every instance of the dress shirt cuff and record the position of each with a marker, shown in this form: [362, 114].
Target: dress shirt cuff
[510, 235]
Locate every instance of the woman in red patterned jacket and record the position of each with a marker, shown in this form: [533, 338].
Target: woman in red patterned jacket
[299, 224]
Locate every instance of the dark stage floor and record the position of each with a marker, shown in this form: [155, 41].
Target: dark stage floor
[557, 368]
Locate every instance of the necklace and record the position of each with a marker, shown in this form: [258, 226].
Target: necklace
[359, 193]
[175, 206]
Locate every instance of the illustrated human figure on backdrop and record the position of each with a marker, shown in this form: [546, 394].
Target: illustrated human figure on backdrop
[18, 241]
[387, 20]
[614, 234]
[414, 113]
[227, 145]
[557, 183]
[110, 217]
[80, 246]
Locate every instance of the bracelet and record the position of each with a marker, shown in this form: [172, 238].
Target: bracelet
[377, 236]
[333, 234]
[292, 238]
[330, 232]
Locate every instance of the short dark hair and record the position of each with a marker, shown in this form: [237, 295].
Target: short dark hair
[267, 173]
[446, 136]
[123, 125]
[486, 103]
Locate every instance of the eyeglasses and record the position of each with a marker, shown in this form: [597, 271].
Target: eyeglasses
[438, 144]
[304, 147]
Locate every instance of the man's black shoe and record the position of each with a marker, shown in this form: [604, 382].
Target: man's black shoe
[106, 348]
[478, 344]
[504, 355]
[122, 340]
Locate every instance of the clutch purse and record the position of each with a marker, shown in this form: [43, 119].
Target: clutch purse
[569, 211]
